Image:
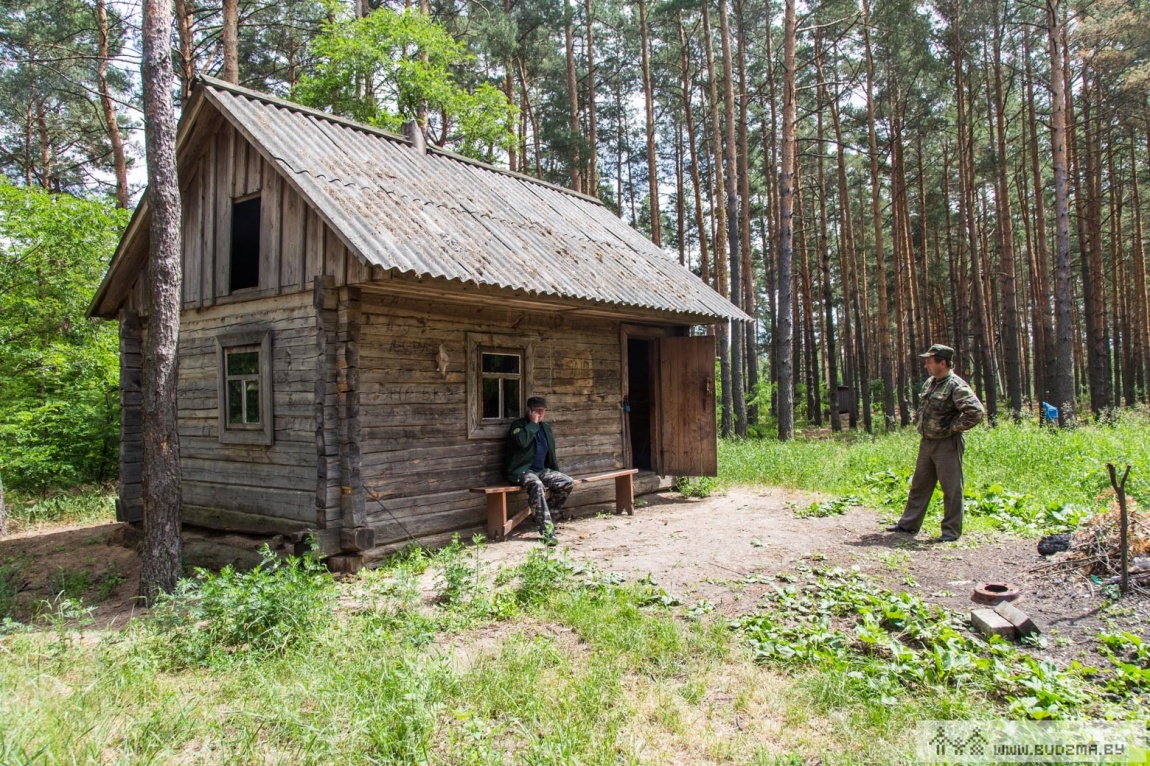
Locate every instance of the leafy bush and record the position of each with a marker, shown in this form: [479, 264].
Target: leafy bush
[541, 574]
[697, 486]
[836, 506]
[214, 618]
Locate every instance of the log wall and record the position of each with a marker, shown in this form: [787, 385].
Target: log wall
[252, 487]
[417, 462]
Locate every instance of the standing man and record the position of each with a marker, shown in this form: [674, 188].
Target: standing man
[947, 409]
[531, 463]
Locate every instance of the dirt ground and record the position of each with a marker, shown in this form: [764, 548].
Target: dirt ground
[694, 549]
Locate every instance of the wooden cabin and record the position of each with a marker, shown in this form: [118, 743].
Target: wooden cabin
[363, 316]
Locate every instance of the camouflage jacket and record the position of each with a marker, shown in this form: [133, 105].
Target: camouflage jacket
[947, 407]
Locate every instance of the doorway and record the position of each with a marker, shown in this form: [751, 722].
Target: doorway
[639, 401]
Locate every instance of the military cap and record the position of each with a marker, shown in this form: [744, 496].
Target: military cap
[536, 401]
[941, 351]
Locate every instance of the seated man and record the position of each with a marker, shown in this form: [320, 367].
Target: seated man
[531, 463]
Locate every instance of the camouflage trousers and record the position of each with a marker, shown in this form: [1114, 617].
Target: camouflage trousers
[537, 485]
[939, 462]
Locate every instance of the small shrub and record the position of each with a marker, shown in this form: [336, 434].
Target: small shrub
[212, 618]
[70, 583]
[698, 486]
[541, 574]
[10, 579]
[836, 506]
[461, 582]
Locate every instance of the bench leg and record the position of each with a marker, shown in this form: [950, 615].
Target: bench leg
[496, 516]
[624, 495]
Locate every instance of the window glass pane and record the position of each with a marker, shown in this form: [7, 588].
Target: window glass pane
[490, 398]
[253, 404]
[507, 364]
[235, 401]
[243, 362]
[511, 408]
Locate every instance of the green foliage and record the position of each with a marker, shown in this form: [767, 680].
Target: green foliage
[1130, 655]
[836, 506]
[696, 486]
[59, 405]
[541, 574]
[389, 67]
[888, 645]
[215, 619]
[10, 579]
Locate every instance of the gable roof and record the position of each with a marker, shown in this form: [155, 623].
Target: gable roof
[444, 216]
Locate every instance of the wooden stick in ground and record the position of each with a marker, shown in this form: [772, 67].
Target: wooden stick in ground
[1124, 543]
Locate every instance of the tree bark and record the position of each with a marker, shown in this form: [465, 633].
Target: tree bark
[649, 107]
[119, 161]
[884, 343]
[592, 182]
[161, 552]
[184, 9]
[230, 39]
[1062, 381]
[696, 185]
[786, 396]
[573, 106]
[1006, 237]
[738, 400]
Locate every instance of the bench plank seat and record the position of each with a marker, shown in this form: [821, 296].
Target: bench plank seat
[499, 526]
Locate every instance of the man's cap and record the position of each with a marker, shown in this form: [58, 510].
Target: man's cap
[939, 350]
[536, 401]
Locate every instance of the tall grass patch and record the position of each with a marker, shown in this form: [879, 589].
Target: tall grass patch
[1050, 468]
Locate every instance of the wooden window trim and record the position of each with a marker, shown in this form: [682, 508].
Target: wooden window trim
[477, 344]
[265, 434]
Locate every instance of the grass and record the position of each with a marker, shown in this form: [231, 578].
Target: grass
[546, 662]
[1050, 471]
[81, 505]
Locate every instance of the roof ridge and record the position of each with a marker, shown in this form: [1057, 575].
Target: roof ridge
[219, 84]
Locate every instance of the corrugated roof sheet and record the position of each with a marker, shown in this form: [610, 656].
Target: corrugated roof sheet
[441, 215]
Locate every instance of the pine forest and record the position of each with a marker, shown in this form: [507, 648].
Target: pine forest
[864, 177]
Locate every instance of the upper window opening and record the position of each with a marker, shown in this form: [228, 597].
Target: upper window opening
[245, 255]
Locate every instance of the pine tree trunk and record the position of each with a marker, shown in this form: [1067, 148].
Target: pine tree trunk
[1062, 381]
[852, 339]
[751, 355]
[162, 548]
[719, 215]
[886, 367]
[184, 10]
[119, 162]
[1142, 301]
[573, 107]
[649, 106]
[786, 396]
[1006, 234]
[830, 353]
[696, 185]
[230, 41]
[731, 171]
[592, 182]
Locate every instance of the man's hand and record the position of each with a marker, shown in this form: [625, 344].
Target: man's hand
[536, 416]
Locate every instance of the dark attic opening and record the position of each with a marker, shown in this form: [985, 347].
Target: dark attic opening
[245, 254]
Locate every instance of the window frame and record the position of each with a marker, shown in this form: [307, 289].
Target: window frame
[491, 343]
[262, 434]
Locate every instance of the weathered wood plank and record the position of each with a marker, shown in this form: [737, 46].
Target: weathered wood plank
[287, 504]
[293, 243]
[225, 162]
[314, 246]
[271, 224]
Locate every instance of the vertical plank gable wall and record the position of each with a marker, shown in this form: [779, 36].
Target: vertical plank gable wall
[417, 462]
[294, 482]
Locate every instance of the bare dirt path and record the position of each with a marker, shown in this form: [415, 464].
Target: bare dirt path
[702, 549]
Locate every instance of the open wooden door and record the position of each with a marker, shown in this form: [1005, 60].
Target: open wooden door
[686, 432]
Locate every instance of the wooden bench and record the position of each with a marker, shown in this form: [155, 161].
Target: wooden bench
[499, 526]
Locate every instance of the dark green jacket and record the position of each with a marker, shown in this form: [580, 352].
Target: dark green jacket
[521, 448]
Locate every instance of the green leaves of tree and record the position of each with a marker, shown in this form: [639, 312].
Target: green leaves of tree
[58, 370]
[390, 67]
